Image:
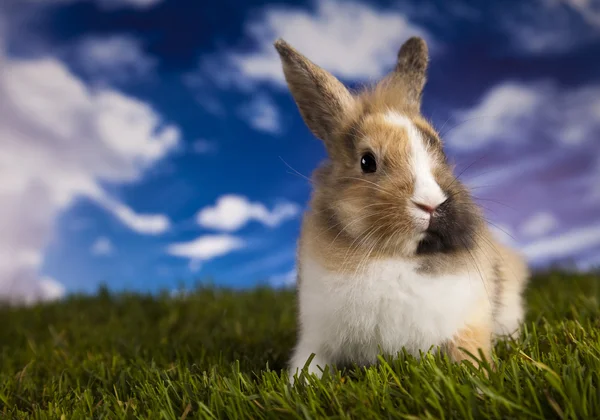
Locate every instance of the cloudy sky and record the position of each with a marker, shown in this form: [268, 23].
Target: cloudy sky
[145, 144]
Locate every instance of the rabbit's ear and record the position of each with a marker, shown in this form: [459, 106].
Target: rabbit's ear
[321, 98]
[411, 70]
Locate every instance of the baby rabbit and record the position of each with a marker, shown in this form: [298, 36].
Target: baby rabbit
[393, 251]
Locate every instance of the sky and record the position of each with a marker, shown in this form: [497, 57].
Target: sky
[151, 145]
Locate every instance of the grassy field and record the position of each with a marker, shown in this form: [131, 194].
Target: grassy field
[219, 354]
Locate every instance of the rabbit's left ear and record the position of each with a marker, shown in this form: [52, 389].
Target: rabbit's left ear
[411, 70]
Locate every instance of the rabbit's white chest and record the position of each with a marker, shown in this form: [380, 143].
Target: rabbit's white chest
[390, 305]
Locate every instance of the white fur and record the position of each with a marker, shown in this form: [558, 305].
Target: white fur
[507, 321]
[427, 190]
[347, 317]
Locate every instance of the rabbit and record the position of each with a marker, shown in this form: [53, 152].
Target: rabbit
[393, 252]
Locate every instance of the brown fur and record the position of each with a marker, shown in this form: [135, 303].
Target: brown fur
[471, 339]
[338, 223]
[356, 217]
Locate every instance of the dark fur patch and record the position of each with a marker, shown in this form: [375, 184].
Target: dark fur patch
[452, 228]
[430, 136]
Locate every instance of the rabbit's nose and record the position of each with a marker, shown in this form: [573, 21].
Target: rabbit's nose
[426, 208]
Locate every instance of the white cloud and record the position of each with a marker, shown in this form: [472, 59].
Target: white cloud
[588, 9]
[550, 142]
[59, 139]
[353, 40]
[132, 129]
[232, 212]
[205, 248]
[533, 135]
[493, 176]
[563, 245]
[503, 109]
[518, 113]
[540, 224]
[550, 26]
[19, 288]
[148, 224]
[102, 247]
[262, 114]
[50, 290]
[115, 58]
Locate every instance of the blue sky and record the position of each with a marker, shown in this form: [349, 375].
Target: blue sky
[147, 144]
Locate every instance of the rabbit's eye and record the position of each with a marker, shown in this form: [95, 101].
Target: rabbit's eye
[368, 163]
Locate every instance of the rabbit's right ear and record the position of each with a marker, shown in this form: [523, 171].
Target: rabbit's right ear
[321, 98]
[410, 73]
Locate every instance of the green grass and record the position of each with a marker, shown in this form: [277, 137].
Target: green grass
[219, 354]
